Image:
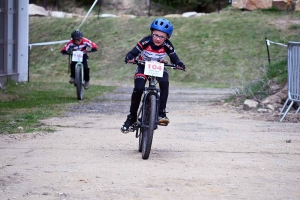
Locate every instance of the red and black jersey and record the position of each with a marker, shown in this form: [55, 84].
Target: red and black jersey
[82, 46]
[148, 51]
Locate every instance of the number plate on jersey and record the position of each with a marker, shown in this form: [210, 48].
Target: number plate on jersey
[77, 56]
[153, 68]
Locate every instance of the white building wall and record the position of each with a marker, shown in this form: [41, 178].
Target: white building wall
[23, 40]
[10, 36]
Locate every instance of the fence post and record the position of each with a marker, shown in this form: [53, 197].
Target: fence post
[267, 44]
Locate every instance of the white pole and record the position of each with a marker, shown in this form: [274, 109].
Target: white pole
[87, 14]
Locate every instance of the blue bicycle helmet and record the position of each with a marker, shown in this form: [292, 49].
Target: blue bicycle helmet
[76, 35]
[162, 25]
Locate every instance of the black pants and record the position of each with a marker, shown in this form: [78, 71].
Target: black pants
[139, 87]
[86, 69]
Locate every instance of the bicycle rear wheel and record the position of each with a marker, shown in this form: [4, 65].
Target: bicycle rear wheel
[78, 80]
[147, 135]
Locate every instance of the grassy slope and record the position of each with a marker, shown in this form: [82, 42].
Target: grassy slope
[219, 50]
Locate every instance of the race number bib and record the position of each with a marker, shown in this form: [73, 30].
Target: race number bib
[77, 56]
[153, 68]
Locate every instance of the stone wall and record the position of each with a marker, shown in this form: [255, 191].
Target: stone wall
[291, 5]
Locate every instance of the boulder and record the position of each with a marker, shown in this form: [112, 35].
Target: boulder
[173, 15]
[249, 104]
[264, 4]
[57, 14]
[297, 6]
[108, 15]
[252, 4]
[189, 14]
[35, 10]
[283, 4]
[128, 16]
[201, 14]
[275, 101]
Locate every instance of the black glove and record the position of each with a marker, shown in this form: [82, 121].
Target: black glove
[94, 49]
[180, 65]
[128, 57]
[64, 52]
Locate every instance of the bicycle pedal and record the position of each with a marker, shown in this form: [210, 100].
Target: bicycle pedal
[136, 124]
[163, 124]
[131, 129]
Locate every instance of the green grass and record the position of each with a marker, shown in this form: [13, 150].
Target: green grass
[273, 74]
[219, 50]
[25, 104]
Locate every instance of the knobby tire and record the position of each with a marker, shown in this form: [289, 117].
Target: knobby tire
[147, 135]
[141, 139]
[78, 81]
[141, 129]
[139, 116]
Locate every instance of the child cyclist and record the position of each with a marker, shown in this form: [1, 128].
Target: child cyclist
[78, 42]
[152, 48]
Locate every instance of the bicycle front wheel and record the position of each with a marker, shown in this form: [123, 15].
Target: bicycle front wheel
[147, 135]
[141, 139]
[78, 80]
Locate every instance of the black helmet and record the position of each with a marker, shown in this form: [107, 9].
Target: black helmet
[77, 35]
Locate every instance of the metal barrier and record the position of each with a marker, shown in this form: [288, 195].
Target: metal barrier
[293, 77]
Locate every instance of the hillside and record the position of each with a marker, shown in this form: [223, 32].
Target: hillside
[219, 50]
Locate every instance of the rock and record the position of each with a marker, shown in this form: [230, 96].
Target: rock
[69, 15]
[252, 4]
[265, 4]
[249, 104]
[173, 15]
[108, 15]
[272, 99]
[35, 10]
[189, 14]
[57, 14]
[283, 4]
[297, 6]
[128, 16]
[201, 14]
[270, 106]
[278, 97]
[262, 110]
[20, 129]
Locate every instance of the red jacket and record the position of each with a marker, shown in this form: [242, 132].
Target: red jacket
[82, 46]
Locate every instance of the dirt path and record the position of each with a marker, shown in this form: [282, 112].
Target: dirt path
[207, 152]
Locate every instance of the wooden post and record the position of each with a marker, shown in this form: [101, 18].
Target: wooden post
[57, 4]
[269, 59]
[45, 4]
[149, 6]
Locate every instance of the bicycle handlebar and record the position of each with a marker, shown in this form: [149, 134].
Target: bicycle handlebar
[173, 66]
[86, 51]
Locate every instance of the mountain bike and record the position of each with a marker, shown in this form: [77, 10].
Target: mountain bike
[77, 56]
[147, 118]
